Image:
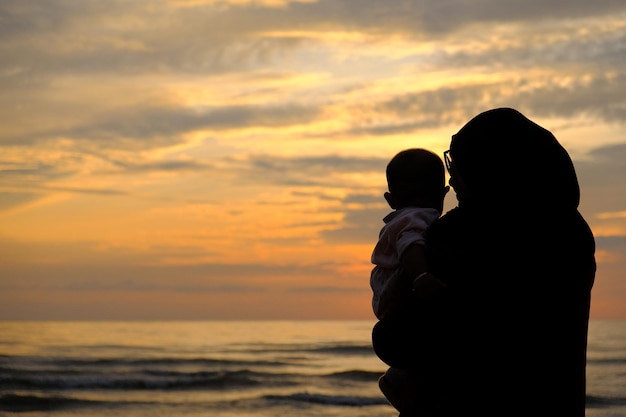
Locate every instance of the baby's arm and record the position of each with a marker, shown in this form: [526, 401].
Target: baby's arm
[413, 262]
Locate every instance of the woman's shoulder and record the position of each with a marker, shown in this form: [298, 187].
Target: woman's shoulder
[450, 218]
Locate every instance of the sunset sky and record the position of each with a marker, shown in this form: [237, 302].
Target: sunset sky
[224, 159]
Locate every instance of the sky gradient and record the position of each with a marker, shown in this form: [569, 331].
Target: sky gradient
[208, 159]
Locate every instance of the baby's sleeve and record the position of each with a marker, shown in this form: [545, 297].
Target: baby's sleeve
[412, 230]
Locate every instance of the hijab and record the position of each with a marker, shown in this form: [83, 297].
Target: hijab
[506, 160]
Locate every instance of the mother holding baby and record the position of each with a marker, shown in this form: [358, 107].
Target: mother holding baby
[507, 335]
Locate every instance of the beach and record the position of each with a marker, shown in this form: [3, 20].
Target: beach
[227, 369]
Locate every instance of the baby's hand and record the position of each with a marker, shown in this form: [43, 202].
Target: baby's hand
[426, 285]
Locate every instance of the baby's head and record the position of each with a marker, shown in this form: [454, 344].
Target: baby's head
[416, 177]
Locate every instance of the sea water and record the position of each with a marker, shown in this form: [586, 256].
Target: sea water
[228, 369]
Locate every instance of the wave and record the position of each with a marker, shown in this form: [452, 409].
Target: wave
[607, 361]
[32, 403]
[148, 380]
[26, 403]
[344, 350]
[8, 361]
[329, 399]
[604, 402]
[327, 348]
[158, 379]
[356, 375]
[303, 350]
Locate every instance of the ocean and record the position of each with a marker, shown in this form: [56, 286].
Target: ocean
[228, 369]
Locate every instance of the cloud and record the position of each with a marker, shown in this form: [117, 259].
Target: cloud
[84, 265]
[271, 106]
[605, 166]
[9, 200]
[21, 185]
[29, 169]
[132, 38]
[601, 96]
[58, 36]
[612, 243]
[364, 199]
[362, 220]
[452, 14]
[316, 289]
[312, 171]
[52, 46]
[152, 127]
[150, 123]
[612, 215]
[413, 16]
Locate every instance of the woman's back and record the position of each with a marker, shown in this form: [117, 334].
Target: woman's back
[516, 313]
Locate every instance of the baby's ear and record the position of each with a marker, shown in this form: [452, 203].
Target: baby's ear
[390, 200]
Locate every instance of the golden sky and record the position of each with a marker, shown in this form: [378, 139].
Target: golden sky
[224, 159]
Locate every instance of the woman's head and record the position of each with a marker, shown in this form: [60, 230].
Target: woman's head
[502, 157]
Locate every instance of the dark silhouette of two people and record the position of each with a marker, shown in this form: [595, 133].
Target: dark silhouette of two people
[495, 322]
